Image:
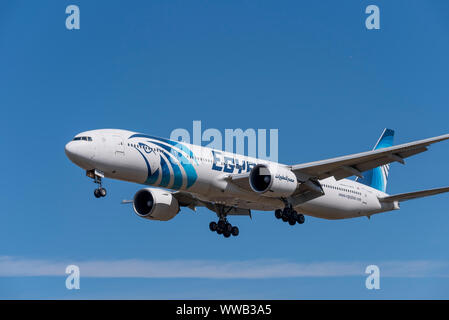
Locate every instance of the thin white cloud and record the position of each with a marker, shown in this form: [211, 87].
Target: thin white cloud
[211, 269]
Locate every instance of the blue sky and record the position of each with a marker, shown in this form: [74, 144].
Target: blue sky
[309, 69]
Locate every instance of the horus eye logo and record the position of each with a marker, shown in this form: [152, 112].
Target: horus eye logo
[146, 148]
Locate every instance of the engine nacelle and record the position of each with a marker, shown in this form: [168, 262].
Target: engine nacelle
[155, 204]
[272, 181]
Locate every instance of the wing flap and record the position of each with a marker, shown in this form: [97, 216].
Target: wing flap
[188, 200]
[414, 195]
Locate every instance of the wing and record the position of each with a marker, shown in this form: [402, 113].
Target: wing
[414, 195]
[189, 200]
[355, 164]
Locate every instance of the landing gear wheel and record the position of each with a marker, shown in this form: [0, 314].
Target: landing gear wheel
[294, 215]
[213, 226]
[228, 227]
[226, 234]
[300, 218]
[97, 193]
[102, 192]
[291, 221]
[235, 231]
[219, 230]
[284, 217]
[278, 213]
[222, 225]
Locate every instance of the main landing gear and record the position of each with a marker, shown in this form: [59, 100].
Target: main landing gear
[223, 226]
[100, 191]
[289, 215]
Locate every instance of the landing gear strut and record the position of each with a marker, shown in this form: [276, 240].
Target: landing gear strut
[223, 226]
[289, 215]
[97, 176]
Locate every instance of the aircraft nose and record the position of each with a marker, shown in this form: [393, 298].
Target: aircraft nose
[70, 150]
[79, 152]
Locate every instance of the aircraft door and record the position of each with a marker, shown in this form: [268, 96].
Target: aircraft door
[119, 147]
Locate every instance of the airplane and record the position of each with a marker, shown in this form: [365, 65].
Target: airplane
[179, 174]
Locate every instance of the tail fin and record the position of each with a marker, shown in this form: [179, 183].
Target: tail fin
[377, 178]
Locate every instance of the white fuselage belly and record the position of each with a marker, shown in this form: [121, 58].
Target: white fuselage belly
[122, 158]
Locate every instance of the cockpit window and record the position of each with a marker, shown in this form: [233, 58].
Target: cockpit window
[82, 138]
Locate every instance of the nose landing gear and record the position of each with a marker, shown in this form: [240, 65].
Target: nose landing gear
[100, 192]
[97, 176]
[289, 215]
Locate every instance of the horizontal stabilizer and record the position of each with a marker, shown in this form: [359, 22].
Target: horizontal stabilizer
[414, 195]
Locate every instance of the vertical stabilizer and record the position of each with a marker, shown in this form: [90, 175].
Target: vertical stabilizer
[378, 177]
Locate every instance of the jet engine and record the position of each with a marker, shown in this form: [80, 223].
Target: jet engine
[155, 204]
[272, 181]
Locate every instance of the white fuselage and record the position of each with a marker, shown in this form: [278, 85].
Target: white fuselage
[203, 172]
